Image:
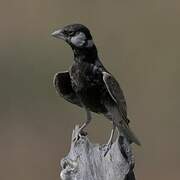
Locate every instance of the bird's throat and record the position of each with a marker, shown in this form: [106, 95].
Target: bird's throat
[87, 54]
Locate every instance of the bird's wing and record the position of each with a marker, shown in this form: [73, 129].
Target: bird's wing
[116, 93]
[62, 83]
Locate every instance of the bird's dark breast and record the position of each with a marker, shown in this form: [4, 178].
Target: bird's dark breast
[89, 87]
[92, 99]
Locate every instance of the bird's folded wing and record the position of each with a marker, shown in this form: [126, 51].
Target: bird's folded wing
[116, 93]
[62, 83]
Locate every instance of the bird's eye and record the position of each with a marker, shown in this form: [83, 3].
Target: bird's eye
[71, 33]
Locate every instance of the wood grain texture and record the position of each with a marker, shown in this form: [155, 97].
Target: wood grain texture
[86, 161]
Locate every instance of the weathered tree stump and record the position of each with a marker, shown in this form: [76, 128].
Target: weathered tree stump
[86, 161]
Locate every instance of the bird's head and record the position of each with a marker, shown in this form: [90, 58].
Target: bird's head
[76, 35]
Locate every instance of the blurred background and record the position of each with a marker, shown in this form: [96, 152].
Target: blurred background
[138, 42]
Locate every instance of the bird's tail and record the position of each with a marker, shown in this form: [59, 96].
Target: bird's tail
[127, 132]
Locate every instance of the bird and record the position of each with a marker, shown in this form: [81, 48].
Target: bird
[89, 85]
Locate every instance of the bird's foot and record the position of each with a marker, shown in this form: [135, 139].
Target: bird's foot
[77, 137]
[79, 134]
[106, 148]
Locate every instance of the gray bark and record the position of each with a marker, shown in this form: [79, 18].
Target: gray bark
[86, 161]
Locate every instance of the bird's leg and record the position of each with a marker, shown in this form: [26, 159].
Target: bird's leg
[110, 141]
[88, 120]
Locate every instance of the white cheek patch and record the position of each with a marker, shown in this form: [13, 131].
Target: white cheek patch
[79, 40]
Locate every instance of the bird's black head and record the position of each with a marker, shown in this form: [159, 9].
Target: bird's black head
[76, 35]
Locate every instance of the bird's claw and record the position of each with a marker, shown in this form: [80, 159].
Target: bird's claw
[106, 148]
[79, 134]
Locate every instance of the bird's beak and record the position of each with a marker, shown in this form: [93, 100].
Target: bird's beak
[58, 34]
